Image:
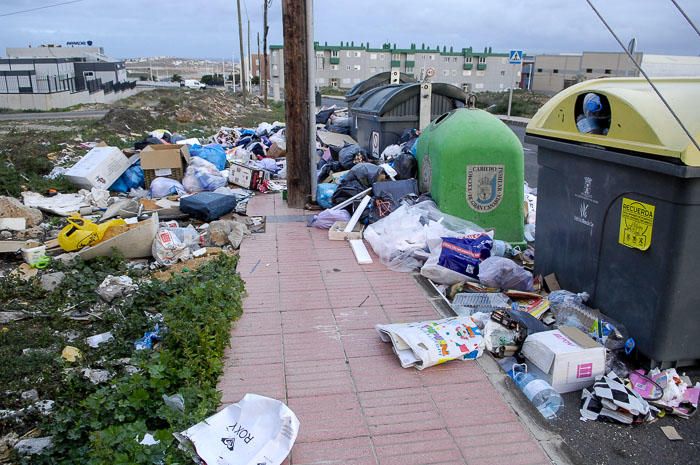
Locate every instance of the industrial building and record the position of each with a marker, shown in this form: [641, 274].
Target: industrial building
[554, 73]
[342, 66]
[48, 77]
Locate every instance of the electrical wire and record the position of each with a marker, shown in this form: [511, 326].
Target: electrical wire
[687, 18]
[643, 73]
[39, 8]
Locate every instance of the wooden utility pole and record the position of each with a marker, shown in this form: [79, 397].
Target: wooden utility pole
[297, 101]
[266, 29]
[240, 43]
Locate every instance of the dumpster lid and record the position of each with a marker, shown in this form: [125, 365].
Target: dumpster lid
[639, 121]
[383, 99]
[377, 80]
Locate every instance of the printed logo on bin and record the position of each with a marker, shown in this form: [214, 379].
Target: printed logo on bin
[485, 186]
[584, 370]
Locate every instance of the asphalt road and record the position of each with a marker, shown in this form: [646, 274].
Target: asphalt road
[53, 115]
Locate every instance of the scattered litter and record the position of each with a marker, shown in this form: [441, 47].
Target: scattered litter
[31, 394]
[97, 376]
[7, 317]
[50, 281]
[503, 273]
[255, 430]
[13, 224]
[116, 287]
[175, 402]
[538, 391]
[97, 339]
[173, 244]
[33, 446]
[148, 440]
[610, 400]
[149, 339]
[671, 433]
[427, 343]
[71, 354]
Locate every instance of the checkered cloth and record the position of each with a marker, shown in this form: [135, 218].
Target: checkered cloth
[610, 400]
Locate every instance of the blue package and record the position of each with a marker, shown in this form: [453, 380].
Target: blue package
[132, 178]
[213, 153]
[208, 206]
[463, 254]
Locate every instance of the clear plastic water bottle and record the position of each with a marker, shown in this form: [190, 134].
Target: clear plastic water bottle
[538, 391]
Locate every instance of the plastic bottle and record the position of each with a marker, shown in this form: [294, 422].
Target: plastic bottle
[538, 391]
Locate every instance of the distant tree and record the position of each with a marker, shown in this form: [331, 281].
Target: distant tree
[143, 78]
[176, 78]
[213, 80]
[255, 80]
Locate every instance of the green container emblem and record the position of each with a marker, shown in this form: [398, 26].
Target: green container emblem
[485, 186]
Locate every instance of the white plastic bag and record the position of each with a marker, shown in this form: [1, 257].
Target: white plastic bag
[163, 187]
[401, 239]
[503, 273]
[256, 430]
[202, 176]
[174, 244]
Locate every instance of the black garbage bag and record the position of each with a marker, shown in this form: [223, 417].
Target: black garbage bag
[339, 129]
[323, 116]
[406, 166]
[387, 196]
[350, 155]
[360, 178]
[327, 169]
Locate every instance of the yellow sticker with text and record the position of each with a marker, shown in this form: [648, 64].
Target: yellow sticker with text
[636, 224]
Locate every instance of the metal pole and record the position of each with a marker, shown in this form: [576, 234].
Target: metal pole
[510, 93]
[687, 18]
[311, 64]
[675, 116]
[250, 62]
[240, 47]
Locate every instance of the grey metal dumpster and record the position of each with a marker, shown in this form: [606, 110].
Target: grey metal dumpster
[381, 115]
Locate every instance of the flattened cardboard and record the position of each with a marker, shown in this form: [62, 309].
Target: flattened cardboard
[134, 243]
[334, 139]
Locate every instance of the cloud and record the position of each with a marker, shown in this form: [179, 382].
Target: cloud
[208, 29]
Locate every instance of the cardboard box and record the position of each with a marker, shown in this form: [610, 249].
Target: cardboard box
[164, 160]
[100, 167]
[246, 176]
[337, 231]
[569, 358]
[275, 151]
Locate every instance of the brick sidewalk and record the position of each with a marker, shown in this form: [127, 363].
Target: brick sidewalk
[307, 338]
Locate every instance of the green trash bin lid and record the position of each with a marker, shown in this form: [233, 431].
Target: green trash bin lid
[639, 121]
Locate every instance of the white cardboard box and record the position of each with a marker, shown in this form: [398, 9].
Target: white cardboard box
[569, 358]
[100, 167]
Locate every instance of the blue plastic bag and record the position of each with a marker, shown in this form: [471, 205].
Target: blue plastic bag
[213, 153]
[149, 338]
[324, 192]
[132, 178]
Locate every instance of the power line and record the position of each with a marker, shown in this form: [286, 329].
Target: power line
[39, 8]
[634, 62]
[687, 18]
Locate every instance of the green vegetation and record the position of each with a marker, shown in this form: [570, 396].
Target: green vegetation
[103, 423]
[333, 91]
[525, 103]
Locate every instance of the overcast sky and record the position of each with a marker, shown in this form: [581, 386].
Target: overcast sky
[207, 28]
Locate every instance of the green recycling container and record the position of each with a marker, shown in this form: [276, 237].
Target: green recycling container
[472, 164]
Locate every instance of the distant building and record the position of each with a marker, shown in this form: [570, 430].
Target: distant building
[342, 66]
[554, 73]
[46, 77]
[256, 62]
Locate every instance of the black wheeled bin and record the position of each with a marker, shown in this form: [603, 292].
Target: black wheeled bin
[381, 115]
[618, 207]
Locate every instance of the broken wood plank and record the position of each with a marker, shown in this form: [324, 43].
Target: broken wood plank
[356, 216]
[361, 254]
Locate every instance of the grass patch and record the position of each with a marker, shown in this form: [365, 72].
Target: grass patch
[99, 424]
[525, 103]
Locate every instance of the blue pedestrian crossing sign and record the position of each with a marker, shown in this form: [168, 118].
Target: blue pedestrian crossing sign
[515, 57]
